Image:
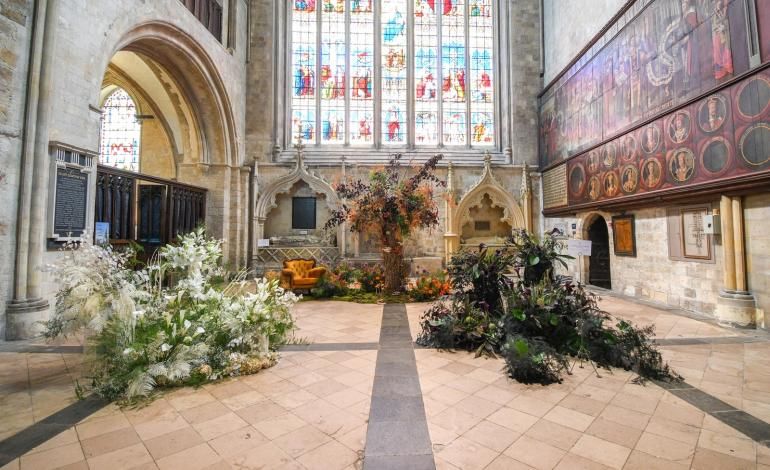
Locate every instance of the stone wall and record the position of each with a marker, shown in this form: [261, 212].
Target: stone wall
[279, 220]
[260, 80]
[569, 25]
[157, 156]
[525, 80]
[757, 213]
[690, 285]
[80, 61]
[15, 26]
[425, 243]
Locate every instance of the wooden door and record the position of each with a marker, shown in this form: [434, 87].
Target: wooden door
[599, 266]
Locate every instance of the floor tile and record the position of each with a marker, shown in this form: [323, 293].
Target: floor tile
[491, 435]
[601, 451]
[194, 458]
[535, 453]
[467, 454]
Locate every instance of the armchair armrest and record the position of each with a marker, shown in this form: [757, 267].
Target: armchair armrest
[316, 273]
[287, 279]
[288, 273]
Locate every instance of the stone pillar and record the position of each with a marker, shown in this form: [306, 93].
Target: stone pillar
[526, 198]
[738, 246]
[736, 306]
[28, 306]
[728, 242]
[451, 239]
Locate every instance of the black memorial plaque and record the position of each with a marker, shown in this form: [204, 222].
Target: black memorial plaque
[70, 205]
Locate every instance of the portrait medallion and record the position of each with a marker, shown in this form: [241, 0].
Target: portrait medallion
[681, 165]
[716, 155]
[577, 180]
[629, 179]
[754, 97]
[755, 144]
[628, 148]
[609, 155]
[651, 138]
[652, 173]
[679, 127]
[712, 113]
[593, 162]
[594, 188]
[611, 184]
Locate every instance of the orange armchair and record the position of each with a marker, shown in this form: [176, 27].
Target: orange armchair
[300, 274]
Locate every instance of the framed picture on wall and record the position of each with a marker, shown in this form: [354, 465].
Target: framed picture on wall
[624, 235]
[696, 244]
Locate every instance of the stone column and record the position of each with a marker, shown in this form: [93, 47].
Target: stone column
[728, 242]
[736, 306]
[738, 246]
[451, 239]
[28, 306]
[526, 198]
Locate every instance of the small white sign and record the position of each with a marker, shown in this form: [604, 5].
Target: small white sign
[263, 242]
[577, 248]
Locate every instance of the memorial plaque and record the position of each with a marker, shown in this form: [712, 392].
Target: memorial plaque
[70, 203]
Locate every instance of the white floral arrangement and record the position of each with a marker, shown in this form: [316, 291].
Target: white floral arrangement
[170, 323]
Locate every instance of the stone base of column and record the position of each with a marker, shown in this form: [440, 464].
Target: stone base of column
[23, 318]
[736, 309]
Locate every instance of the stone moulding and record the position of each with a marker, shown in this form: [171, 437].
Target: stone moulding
[488, 185]
[267, 200]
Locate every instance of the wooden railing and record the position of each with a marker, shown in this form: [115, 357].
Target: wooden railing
[208, 12]
[145, 209]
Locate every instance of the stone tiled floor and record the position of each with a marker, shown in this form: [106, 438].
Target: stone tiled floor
[312, 409]
[337, 322]
[479, 419]
[308, 412]
[34, 386]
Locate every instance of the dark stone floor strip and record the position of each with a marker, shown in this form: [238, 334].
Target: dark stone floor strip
[23, 347]
[397, 435]
[48, 428]
[739, 420]
[332, 347]
[710, 340]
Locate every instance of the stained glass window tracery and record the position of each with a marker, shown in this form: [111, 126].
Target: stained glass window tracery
[393, 73]
[121, 132]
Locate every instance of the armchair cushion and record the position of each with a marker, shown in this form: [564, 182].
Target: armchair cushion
[301, 267]
[316, 273]
[300, 274]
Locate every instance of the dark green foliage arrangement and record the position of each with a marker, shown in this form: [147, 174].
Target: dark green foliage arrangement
[538, 324]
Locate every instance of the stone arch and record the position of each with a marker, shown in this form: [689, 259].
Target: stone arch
[181, 61]
[283, 184]
[584, 224]
[161, 126]
[213, 158]
[489, 186]
[267, 200]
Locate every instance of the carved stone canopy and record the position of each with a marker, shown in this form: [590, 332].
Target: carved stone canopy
[488, 186]
[284, 184]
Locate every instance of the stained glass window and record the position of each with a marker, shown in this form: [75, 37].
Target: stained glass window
[393, 73]
[362, 72]
[121, 132]
[304, 27]
[426, 74]
[333, 57]
[481, 81]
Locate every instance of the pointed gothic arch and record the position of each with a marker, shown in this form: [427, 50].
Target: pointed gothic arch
[489, 186]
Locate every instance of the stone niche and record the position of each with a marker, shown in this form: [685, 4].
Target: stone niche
[279, 227]
[485, 223]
